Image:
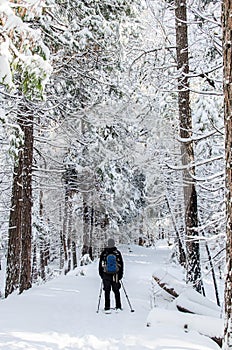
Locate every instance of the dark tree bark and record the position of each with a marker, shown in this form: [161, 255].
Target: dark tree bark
[25, 276]
[34, 272]
[63, 250]
[86, 249]
[42, 262]
[227, 57]
[63, 234]
[67, 237]
[185, 118]
[20, 221]
[74, 254]
[65, 230]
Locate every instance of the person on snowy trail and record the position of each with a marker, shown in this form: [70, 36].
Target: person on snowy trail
[111, 272]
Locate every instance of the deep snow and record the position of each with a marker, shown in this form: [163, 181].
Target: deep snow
[61, 314]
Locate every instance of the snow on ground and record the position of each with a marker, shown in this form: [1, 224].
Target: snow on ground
[61, 314]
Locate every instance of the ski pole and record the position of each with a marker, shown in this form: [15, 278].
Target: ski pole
[99, 300]
[132, 310]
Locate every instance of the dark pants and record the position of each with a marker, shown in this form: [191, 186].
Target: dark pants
[107, 285]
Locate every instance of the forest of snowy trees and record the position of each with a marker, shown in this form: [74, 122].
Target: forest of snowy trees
[115, 120]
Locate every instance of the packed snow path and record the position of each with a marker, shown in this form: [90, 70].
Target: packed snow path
[61, 314]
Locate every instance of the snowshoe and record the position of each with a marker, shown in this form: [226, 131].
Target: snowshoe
[107, 311]
[119, 310]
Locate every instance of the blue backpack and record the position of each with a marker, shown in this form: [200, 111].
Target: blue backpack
[111, 265]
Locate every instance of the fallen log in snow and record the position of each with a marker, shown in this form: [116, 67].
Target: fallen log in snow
[196, 303]
[164, 286]
[186, 298]
[197, 312]
[211, 327]
[169, 283]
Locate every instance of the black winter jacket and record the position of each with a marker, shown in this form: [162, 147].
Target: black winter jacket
[102, 261]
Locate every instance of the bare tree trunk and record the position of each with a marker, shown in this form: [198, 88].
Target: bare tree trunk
[62, 242]
[65, 230]
[86, 224]
[20, 221]
[227, 57]
[63, 250]
[190, 195]
[74, 254]
[41, 262]
[25, 277]
[69, 240]
[34, 272]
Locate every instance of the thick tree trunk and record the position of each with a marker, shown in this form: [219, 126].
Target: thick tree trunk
[227, 56]
[190, 196]
[25, 277]
[20, 221]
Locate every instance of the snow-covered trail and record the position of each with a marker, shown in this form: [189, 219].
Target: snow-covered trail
[61, 314]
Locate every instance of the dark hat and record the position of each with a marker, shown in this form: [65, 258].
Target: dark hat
[111, 243]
